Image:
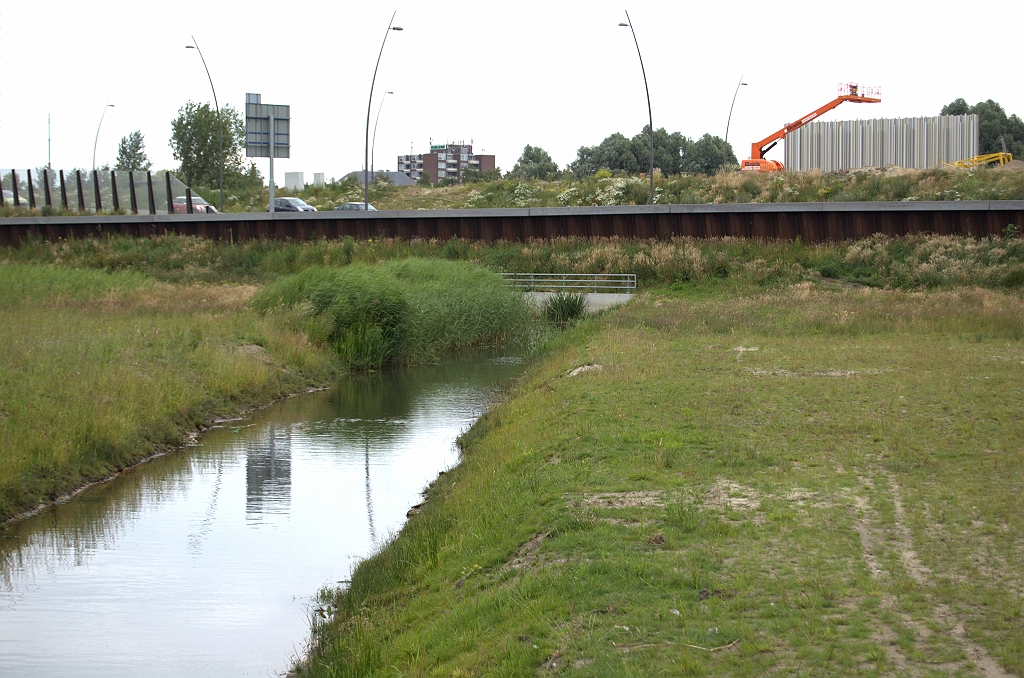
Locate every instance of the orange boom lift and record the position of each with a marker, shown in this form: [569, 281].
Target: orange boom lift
[847, 92]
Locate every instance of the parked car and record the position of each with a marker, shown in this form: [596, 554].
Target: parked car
[291, 205]
[354, 206]
[198, 205]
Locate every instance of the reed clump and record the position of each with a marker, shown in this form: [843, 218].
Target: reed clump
[400, 312]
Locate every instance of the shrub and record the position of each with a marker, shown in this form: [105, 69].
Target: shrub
[563, 308]
[400, 312]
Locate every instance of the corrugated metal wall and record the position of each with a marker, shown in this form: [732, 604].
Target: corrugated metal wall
[904, 142]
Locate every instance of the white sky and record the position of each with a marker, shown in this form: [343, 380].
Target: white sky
[554, 74]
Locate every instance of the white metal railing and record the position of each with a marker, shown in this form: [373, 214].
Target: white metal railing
[609, 283]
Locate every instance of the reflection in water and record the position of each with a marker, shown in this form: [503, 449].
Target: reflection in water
[268, 473]
[201, 562]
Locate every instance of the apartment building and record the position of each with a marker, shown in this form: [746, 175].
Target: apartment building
[444, 160]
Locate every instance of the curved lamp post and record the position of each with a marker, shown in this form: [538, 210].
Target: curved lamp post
[369, 104]
[109, 105]
[220, 127]
[373, 145]
[650, 119]
[725, 142]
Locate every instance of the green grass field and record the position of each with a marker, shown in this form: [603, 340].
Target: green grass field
[801, 480]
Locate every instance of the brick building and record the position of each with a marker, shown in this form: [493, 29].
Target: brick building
[444, 160]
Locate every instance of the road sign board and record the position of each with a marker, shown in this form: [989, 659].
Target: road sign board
[258, 136]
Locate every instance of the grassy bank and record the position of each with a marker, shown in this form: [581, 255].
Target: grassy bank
[605, 189]
[804, 480]
[102, 368]
[911, 262]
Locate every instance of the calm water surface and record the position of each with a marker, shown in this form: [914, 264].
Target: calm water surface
[203, 563]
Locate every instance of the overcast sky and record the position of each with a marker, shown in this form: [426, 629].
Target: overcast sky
[554, 74]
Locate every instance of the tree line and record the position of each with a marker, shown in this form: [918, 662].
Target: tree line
[195, 143]
[673, 154]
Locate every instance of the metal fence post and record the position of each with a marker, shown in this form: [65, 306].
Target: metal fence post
[14, 186]
[149, 190]
[63, 191]
[170, 199]
[31, 190]
[46, 188]
[96, 189]
[81, 194]
[131, 192]
[113, 191]
[188, 200]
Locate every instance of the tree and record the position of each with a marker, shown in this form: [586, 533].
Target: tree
[131, 153]
[673, 153]
[534, 163]
[196, 144]
[993, 124]
[704, 156]
[424, 179]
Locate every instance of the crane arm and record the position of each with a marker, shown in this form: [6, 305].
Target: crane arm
[759, 148]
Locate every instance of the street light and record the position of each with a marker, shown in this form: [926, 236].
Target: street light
[369, 104]
[650, 119]
[725, 142]
[109, 105]
[373, 146]
[220, 127]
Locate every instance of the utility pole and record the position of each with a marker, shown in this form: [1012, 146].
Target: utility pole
[48, 165]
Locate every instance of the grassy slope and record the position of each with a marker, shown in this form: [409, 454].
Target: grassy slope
[730, 187]
[915, 261]
[99, 369]
[845, 499]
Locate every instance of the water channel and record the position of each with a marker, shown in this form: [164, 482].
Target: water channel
[204, 562]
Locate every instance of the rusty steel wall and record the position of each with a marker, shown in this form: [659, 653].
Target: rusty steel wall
[905, 142]
[812, 222]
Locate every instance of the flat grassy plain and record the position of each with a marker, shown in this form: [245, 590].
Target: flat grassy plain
[809, 479]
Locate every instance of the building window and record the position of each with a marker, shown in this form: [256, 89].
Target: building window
[441, 165]
[442, 173]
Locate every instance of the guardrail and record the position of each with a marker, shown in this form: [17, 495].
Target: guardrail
[608, 283]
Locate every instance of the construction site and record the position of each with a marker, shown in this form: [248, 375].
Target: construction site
[912, 143]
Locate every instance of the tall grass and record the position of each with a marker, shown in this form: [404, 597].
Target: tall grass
[97, 370]
[908, 262]
[400, 312]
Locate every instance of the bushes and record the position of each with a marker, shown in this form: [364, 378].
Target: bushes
[407, 311]
[562, 308]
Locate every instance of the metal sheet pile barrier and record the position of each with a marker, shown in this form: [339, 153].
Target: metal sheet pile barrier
[905, 142]
[810, 221]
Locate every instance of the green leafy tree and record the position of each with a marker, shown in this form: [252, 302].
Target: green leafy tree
[993, 124]
[632, 156]
[196, 145]
[704, 156]
[131, 153]
[534, 163]
[424, 179]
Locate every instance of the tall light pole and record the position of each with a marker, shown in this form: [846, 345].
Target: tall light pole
[369, 105]
[220, 127]
[109, 105]
[373, 146]
[650, 118]
[725, 142]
